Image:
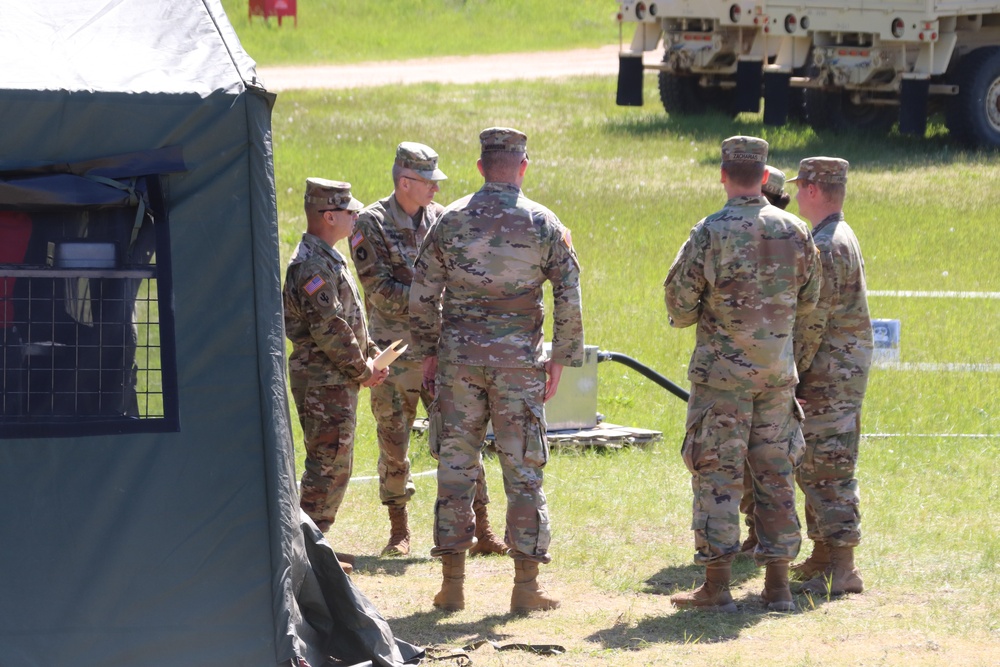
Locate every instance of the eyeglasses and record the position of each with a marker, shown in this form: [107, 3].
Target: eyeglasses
[429, 184]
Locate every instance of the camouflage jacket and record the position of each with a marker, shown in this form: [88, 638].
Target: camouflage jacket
[323, 318]
[833, 344]
[476, 297]
[384, 247]
[745, 276]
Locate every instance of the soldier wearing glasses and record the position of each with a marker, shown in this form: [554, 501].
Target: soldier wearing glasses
[331, 350]
[384, 247]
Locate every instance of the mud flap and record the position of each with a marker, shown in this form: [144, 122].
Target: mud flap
[776, 89]
[630, 76]
[913, 107]
[749, 78]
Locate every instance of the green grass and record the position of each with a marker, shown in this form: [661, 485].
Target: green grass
[630, 183]
[343, 31]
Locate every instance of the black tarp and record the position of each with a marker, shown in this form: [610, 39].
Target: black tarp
[183, 547]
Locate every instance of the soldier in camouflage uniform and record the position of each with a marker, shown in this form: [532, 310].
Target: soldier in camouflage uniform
[773, 190]
[331, 350]
[745, 276]
[384, 246]
[834, 352]
[476, 311]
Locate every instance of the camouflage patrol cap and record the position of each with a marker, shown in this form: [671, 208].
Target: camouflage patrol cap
[822, 170]
[744, 149]
[419, 158]
[503, 139]
[774, 183]
[331, 194]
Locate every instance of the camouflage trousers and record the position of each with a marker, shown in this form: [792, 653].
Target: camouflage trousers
[827, 479]
[468, 398]
[327, 414]
[728, 431]
[394, 406]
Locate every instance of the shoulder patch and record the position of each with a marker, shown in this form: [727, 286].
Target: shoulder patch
[315, 283]
[357, 239]
[567, 238]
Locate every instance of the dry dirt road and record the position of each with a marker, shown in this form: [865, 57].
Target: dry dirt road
[449, 69]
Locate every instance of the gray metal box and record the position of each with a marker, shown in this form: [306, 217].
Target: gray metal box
[82, 255]
[575, 404]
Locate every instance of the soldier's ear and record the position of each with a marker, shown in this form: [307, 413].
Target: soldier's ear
[479, 166]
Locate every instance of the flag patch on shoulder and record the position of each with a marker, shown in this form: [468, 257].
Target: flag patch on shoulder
[314, 284]
[357, 240]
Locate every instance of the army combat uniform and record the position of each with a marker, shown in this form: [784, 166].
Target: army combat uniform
[834, 351]
[384, 247]
[330, 348]
[744, 276]
[476, 304]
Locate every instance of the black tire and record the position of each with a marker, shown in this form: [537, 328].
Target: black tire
[833, 110]
[680, 94]
[973, 116]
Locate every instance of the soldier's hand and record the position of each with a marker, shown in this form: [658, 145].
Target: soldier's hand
[553, 372]
[377, 376]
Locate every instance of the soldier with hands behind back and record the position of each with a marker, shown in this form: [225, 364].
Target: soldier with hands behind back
[833, 349]
[384, 247]
[745, 275]
[476, 311]
[331, 350]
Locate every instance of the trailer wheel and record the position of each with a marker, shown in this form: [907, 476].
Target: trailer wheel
[973, 116]
[835, 111]
[680, 94]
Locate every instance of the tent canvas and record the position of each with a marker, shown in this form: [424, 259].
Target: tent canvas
[150, 512]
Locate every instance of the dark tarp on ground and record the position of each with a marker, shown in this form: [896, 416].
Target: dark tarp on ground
[187, 547]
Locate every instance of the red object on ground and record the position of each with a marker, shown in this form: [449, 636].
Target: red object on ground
[279, 8]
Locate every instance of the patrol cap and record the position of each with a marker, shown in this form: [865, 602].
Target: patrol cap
[744, 149]
[419, 158]
[503, 139]
[822, 170]
[331, 194]
[775, 182]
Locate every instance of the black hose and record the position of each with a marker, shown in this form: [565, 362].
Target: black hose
[680, 393]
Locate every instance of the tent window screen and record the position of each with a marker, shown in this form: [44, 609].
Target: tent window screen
[86, 333]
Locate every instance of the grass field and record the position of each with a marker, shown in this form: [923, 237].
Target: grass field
[631, 183]
[343, 31]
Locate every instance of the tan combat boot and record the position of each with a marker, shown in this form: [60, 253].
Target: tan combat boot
[713, 595]
[776, 594]
[841, 577]
[451, 597]
[487, 541]
[817, 563]
[399, 532]
[528, 595]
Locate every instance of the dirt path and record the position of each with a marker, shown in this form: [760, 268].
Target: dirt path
[449, 69]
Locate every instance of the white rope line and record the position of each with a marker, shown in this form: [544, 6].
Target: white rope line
[928, 435]
[947, 368]
[935, 295]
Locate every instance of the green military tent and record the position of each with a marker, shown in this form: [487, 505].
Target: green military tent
[149, 508]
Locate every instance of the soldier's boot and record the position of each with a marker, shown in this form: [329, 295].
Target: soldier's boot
[399, 532]
[749, 544]
[487, 541]
[713, 595]
[528, 595]
[776, 594]
[840, 578]
[451, 597]
[346, 561]
[817, 563]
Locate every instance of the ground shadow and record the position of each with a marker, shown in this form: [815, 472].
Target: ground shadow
[391, 566]
[435, 628]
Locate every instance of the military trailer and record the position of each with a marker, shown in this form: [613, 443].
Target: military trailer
[838, 64]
